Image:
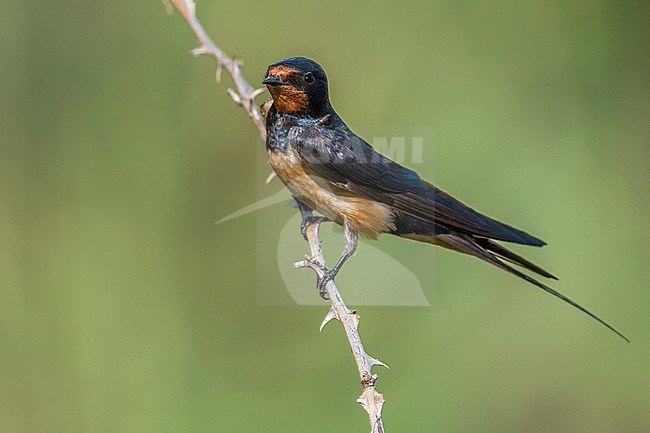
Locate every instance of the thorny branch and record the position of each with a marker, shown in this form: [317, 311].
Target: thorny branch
[371, 400]
[244, 95]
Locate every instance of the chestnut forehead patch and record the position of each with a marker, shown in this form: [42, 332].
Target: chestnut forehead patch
[282, 71]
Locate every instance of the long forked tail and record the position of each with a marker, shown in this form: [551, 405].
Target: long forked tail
[503, 253]
[487, 253]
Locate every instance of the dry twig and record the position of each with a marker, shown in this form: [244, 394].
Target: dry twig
[371, 400]
[244, 95]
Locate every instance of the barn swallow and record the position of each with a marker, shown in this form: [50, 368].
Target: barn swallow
[330, 169]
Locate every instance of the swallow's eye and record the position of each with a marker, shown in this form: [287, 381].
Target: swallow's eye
[309, 78]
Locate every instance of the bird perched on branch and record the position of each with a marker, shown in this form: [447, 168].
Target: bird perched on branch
[330, 169]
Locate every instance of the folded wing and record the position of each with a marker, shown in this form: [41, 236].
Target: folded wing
[344, 159]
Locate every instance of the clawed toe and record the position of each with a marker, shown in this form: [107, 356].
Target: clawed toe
[322, 282]
[309, 220]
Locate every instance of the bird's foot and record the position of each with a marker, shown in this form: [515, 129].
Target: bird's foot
[350, 248]
[328, 276]
[309, 220]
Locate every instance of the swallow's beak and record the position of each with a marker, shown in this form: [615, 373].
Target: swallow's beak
[273, 80]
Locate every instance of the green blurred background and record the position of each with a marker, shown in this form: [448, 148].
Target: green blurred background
[125, 309]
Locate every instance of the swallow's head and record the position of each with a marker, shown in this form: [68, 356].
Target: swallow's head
[298, 85]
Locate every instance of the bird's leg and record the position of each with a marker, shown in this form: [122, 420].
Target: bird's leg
[308, 218]
[351, 238]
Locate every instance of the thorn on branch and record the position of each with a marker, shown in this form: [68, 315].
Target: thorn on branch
[199, 51]
[219, 72]
[268, 180]
[374, 361]
[235, 96]
[258, 92]
[331, 315]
